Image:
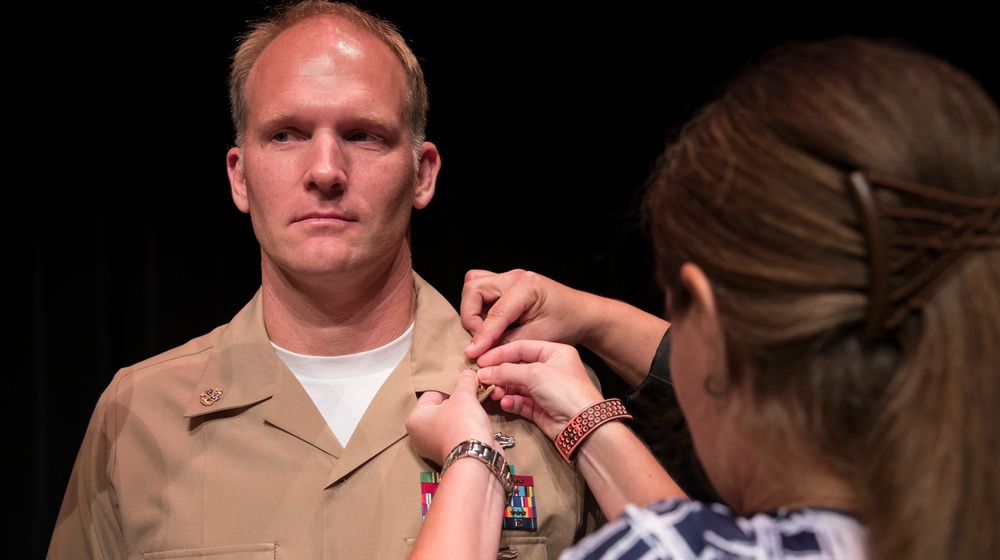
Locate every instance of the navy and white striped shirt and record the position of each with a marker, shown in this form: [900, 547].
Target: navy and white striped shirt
[682, 530]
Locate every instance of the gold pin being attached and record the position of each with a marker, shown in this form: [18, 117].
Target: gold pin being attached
[211, 396]
[481, 388]
[483, 391]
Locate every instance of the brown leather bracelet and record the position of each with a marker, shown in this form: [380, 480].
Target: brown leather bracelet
[581, 425]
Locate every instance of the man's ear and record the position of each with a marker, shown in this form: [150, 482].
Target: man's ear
[427, 172]
[237, 183]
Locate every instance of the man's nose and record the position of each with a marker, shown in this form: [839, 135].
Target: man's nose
[327, 165]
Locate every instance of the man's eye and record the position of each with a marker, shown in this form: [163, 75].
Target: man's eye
[359, 136]
[282, 136]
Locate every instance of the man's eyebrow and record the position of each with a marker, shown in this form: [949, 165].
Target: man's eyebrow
[272, 120]
[373, 119]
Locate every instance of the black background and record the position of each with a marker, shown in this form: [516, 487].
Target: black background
[547, 118]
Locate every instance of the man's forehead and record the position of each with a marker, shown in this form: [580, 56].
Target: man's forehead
[334, 33]
[322, 44]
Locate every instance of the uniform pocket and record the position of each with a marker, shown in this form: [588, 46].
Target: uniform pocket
[259, 551]
[521, 548]
[527, 548]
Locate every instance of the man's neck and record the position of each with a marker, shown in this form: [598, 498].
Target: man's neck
[342, 317]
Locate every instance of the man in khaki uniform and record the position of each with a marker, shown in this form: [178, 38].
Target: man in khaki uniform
[281, 434]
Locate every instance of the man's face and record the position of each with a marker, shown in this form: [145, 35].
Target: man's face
[328, 172]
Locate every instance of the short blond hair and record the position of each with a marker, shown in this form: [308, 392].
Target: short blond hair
[262, 32]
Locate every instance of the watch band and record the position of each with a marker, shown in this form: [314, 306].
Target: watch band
[494, 460]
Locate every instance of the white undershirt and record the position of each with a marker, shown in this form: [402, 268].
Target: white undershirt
[343, 386]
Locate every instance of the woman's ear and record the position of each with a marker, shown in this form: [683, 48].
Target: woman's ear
[701, 310]
[703, 318]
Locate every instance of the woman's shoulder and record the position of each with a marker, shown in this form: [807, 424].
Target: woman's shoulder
[683, 529]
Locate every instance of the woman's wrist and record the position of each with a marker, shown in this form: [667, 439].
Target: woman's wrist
[585, 422]
[493, 458]
[593, 315]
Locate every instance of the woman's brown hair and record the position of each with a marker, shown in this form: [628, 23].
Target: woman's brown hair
[835, 180]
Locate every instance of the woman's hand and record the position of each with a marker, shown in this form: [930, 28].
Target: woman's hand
[545, 382]
[438, 422]
[538, 307]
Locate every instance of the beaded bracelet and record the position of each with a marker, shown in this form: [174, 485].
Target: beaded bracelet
[581, 425]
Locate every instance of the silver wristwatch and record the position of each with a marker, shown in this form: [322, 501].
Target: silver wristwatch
[494, 460]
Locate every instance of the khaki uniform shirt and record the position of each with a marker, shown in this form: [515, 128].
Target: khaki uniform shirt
[254, 472]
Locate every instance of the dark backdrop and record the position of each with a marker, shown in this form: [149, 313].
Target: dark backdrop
[547, 120]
